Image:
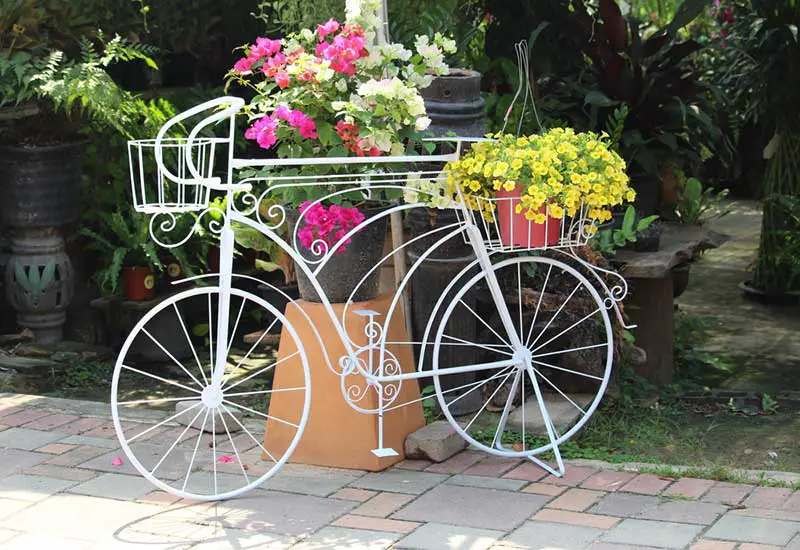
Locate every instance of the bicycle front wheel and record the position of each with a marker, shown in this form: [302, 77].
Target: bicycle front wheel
[208, 441]
[565, 333]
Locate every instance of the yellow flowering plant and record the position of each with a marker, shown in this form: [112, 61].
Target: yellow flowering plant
[561, 169]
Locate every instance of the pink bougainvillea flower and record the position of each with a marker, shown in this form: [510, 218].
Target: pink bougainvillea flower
[243, 66]
[329, 225]
[282, 79]
[282, 112]
[330, 27]
[265, 47]
[226, 459]
[305, 125]
[263, 131]
[117, 461]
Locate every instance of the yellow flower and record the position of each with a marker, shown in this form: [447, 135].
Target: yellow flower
[539, 218]
[509, 185]
[530, 215]
[630, 195]
[516, 164]
[555, 211]
[500, 169]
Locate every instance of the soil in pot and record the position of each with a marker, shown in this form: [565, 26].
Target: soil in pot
[139, 283]
[346, 270]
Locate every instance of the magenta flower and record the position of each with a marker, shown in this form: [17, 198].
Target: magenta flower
[328, 28]
[282, 112]
[263, 131]
[329, 225]
[282, 79]
[243, 66]
[265, 47]
[305, 125]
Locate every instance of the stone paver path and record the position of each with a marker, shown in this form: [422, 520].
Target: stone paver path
[58, 490]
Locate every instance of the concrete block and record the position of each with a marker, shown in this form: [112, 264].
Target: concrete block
[436, 442]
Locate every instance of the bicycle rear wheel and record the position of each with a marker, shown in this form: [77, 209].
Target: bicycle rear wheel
[566, 334]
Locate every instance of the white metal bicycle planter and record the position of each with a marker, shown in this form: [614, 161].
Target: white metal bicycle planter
[527, 339]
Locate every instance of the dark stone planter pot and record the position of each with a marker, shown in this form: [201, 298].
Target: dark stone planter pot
[454, 104]
[346, 269]
[753, 293]
[41, 185]
[680, 279]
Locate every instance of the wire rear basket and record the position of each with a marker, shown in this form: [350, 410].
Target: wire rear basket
[505, 230]
[172, 186]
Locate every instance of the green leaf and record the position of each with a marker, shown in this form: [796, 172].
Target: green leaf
[200, 330]
[629, 219]
[325, 132]
[644, 223]
[619, 238]
[338, 151]
[596, 97]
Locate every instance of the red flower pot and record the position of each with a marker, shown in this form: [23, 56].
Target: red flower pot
[518, 231]
[139, 283]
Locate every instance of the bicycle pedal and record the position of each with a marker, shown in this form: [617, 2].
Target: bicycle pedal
[384, 452]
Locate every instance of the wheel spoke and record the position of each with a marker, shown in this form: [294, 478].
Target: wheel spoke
[477, 385]
[260, 371]
[160, 379]
[548, 365]
[538, 305]
[194, 454]
[572, 326]
[157, 400]
[558, 352]
[235, 326]
[172, 357]
[246, 355]
[564, 395]
[264, 415]
[486, 403]
[477, 345]
[261, 392]
[210, 338]
[507, 408]
[555, 315]
[482, 320]
[177, 440]
[242, 426]
[154, 426]
[189, 341]
[236, 452]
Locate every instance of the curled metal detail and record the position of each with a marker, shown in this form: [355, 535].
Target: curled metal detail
[165, 222]
[356, 386]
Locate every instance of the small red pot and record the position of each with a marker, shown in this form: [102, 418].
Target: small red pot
[516, 230]
[139, 283]
[173, 270]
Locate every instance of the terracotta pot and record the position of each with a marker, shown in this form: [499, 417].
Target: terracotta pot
[516, 230]
[139, 283]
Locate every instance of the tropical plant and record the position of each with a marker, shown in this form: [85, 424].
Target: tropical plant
[697, 206]
[609, 240]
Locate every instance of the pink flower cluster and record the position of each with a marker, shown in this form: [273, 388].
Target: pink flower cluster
[263, 130]
[346, 48]
[327, 224]
[351, 141]
[263, 50]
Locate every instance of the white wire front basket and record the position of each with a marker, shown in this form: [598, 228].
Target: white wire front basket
[506, 230]
[180, 182]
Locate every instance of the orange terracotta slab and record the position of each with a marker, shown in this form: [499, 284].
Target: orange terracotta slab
[337, 435]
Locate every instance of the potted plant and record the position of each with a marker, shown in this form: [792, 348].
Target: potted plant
[529, 185]
[130, 253]
[334, 92]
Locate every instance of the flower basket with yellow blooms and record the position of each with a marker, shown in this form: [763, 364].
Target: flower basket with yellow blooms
[542, 190]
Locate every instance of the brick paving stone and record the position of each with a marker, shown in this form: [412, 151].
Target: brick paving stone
[29, 541]
[400, 481]
[573, 476]
[80, 426]
[527, 471]
[705, 544]
[78, 455]
[9, 410]
[768, 497]
[434, 536]
[766, 513]
[103, 442]
[23, 417]
[14, 461]
[51, 421]
[646, 484]
[749, 529]
[280, 513]
[576, 500]
[544, 489]
[683, 511]
[383, 505]
[411, 464]
[158, 497]
[472, 507]
[60, 472]
[375, 524]
[4, 427]
[487, 482]
[728, 493]
[540, 534]
[575, 518]
[608, 481]
[492, 466]
[311, 480]
[793, 502]
[114, 486]
[55, 448]
[660, 534]
[624, 505]
[610, 546]
[32, 487]
[25, 439]
[795, 544]
[689, 487]
[107, 430]
[751, 546]
[355, 495]
[10, 506]
[335, 537]
[457, 463]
